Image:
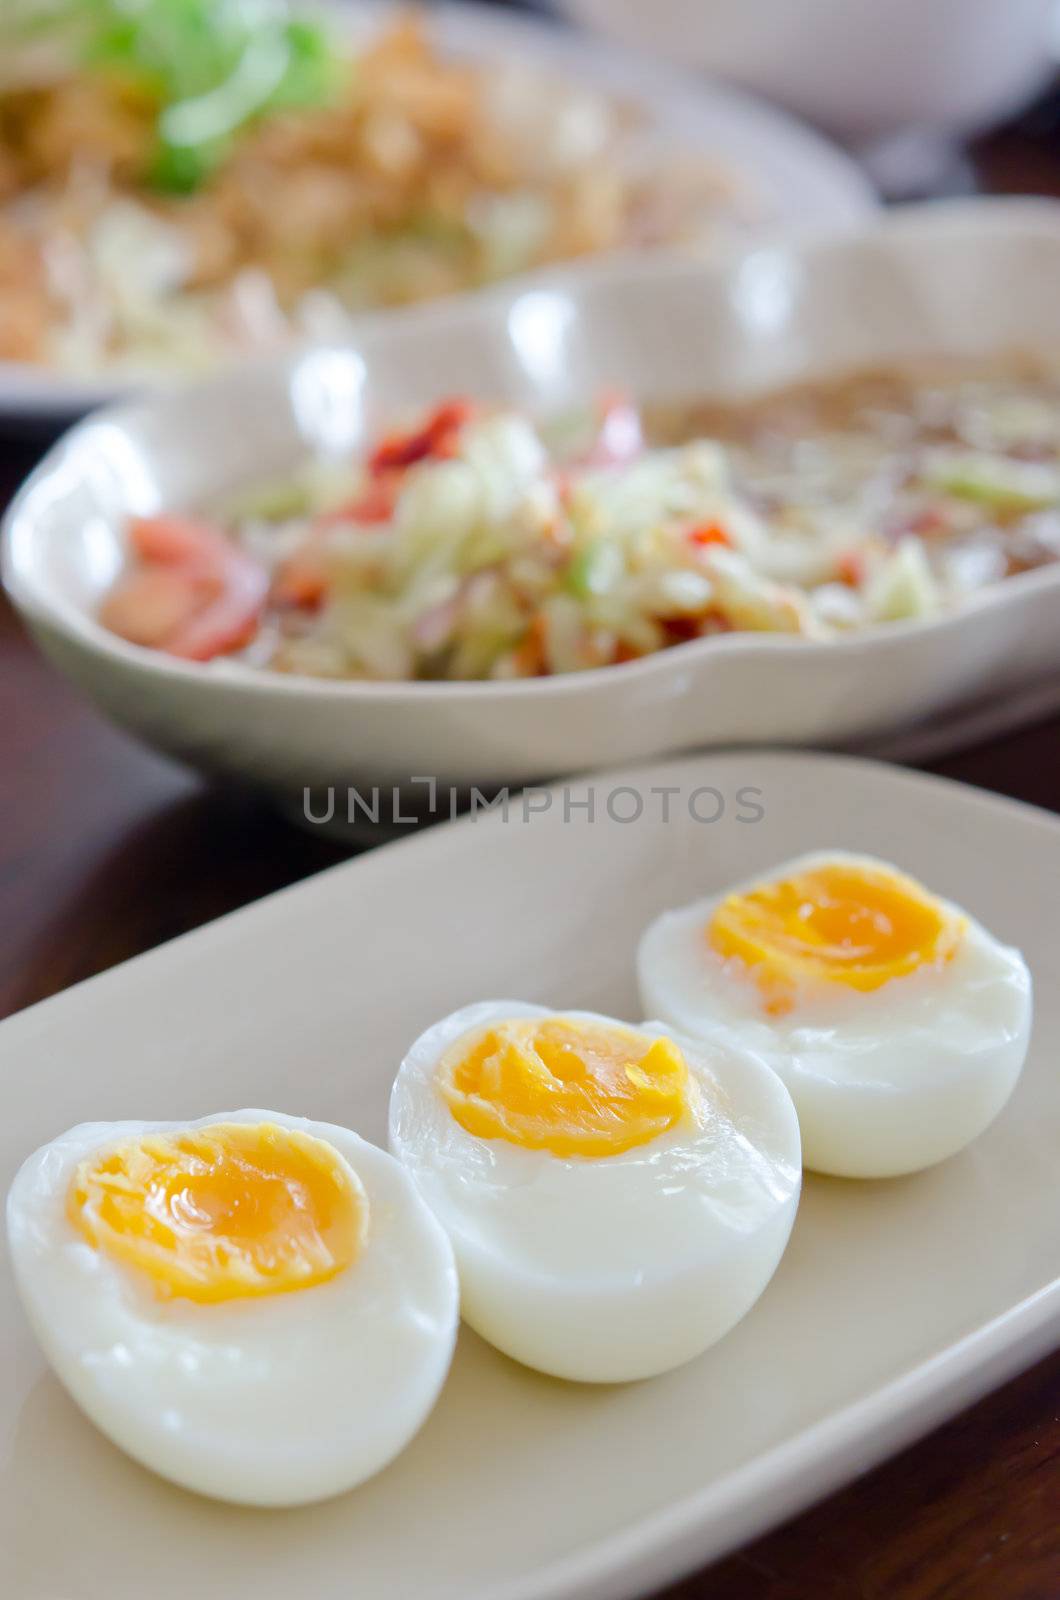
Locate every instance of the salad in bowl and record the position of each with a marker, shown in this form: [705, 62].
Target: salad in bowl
[559, 527]
[482, 542]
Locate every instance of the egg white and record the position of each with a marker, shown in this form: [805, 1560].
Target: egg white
[885, 1082]
[615, 1268]
[277, 1400]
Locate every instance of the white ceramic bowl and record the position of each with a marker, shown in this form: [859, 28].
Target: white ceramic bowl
[864, 68]
[790, 172]
[970, 277]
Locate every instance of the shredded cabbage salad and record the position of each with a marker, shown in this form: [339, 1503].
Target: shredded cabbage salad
[483, 544]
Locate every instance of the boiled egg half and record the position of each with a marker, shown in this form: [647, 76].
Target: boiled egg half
[898, 1023]
[617, 1197]
[257, 1307]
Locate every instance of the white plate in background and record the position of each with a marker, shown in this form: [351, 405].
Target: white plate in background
[797, 174]
[969, 277]
[896, 1304]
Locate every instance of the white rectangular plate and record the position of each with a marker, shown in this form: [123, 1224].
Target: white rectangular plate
[896, 1304]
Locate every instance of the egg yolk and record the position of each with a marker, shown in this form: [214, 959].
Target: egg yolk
[572, 1088]
[837, 923]
[223, 1212]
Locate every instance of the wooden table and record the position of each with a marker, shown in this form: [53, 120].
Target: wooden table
[107, 850]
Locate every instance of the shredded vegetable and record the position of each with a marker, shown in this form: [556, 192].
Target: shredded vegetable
[482, 543]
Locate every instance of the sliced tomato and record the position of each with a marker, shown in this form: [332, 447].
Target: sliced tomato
[375, 504]
[852, 569]
[302, 580]
[194, 595]
[173, 541]
[148, 605]
[438, 437]
[708, 533]
[227, 622]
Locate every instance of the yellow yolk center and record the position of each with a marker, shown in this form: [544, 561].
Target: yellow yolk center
[223, 1212]
[838, 923]
[572, 1088]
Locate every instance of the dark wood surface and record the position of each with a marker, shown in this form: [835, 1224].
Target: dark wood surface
[106, 850]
